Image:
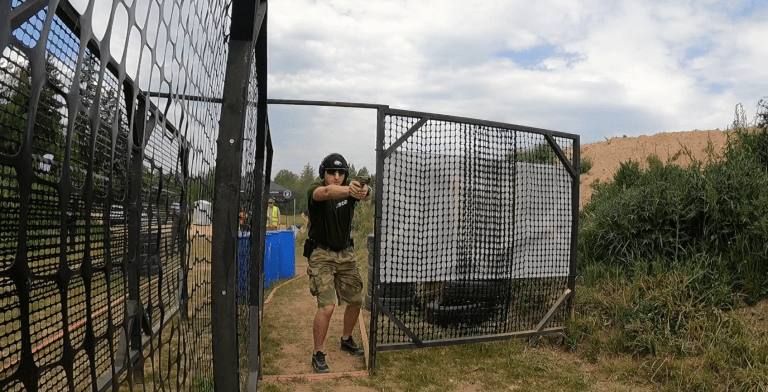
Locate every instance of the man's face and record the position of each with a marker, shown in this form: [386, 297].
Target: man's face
[334, 177]
[270, 204]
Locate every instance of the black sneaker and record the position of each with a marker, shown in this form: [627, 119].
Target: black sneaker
[318, 362]
[350, 346]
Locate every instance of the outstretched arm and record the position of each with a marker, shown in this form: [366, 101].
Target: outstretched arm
[337, 192]
[331, 192]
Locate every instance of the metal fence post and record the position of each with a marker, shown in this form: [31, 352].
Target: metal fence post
[143, 124]
[257, 227]
[227, 196]
[575, 223]
[380, 117]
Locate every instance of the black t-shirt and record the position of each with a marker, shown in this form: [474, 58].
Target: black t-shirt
[331, 219]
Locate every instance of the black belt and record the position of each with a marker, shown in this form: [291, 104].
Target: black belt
[323, 247]
[328, 248]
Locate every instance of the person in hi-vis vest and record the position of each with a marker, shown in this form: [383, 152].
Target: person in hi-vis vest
[273, 215]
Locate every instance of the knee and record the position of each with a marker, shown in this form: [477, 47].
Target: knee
[326, 311]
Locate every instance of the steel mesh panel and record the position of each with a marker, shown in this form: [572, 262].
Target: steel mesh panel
[53, 379]
[475, 229]
[77, 311]
[106, 240]
[9, 215]
[81, 363]
[248, 230]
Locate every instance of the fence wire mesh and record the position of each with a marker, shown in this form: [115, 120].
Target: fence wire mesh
[106, 188]
[248, 220]
[475, 230]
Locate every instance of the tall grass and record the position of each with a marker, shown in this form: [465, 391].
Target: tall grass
[718, 212]
[362, 223]
[665, 254]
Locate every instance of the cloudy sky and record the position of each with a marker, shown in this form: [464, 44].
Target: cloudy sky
[595, 68]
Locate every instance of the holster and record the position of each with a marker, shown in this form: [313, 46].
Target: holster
[309, 246]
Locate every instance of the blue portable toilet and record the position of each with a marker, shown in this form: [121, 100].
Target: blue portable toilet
[271, 258]
[287, 254]
[279, 256]
[279, 260]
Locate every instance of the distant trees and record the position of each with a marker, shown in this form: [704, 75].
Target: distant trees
[542, 153]
[300, 183]
[287, 179]
[49, 129]
[200, 186]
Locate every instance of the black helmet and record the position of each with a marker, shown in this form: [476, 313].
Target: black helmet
[334, 161]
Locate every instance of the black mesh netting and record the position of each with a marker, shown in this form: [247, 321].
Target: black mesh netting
[106, 189]
[248, 214]
[475, 229]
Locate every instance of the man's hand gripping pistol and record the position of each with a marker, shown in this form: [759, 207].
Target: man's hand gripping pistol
[364, 181]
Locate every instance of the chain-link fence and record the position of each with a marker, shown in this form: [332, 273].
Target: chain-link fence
[475, 233]
[110, 173]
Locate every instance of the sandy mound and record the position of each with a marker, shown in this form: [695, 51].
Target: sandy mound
[606, 156]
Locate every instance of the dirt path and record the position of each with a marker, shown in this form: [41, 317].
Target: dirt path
[289, 315]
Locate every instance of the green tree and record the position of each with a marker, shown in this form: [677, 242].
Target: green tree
[82, 148]
[200, 187]
[761, 119]
[306, 177]
[49, 127]
[287, 179]
[542, 153]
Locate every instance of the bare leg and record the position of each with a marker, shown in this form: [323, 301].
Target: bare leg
[350, 319]
[320, 327]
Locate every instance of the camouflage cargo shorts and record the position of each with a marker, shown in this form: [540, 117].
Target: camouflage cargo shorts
[334, 275]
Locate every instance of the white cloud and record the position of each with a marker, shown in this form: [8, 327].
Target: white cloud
[593, 67]
[600, 68]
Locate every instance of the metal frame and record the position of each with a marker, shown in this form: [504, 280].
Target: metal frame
[566, 297]
[573, 168]
[248, 24]
[263, 172]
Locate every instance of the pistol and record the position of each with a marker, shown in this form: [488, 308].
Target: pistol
[363, 180]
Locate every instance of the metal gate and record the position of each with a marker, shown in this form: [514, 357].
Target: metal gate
[476, 226]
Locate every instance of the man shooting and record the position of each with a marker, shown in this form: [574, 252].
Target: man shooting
[333, 274]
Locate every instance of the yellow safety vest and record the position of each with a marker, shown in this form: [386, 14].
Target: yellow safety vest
[274, 218]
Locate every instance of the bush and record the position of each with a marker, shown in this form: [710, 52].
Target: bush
[676, 213]
[543, 153]
[363, 222]
[666, 252]
[644, 214]
[586, 164]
